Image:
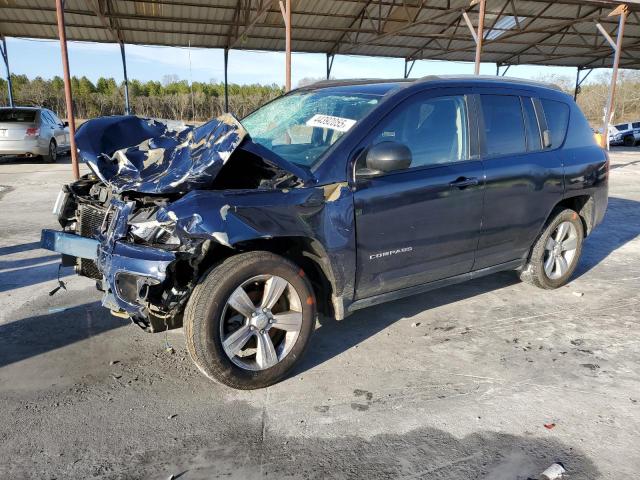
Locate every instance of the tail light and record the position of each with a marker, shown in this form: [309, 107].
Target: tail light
[32, 132]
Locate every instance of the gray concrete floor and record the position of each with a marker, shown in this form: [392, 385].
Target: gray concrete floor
[456, 383]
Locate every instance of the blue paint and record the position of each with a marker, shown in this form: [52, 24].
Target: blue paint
[440, 231]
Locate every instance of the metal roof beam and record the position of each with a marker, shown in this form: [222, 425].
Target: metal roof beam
[5, 57]
[557, 29]
[99, 8]
[250, 23]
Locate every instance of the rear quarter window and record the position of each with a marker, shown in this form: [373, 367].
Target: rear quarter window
[635, 124]
[557, 116]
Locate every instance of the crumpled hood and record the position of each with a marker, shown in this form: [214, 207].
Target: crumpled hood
[143, 155]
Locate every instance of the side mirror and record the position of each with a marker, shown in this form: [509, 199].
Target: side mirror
[65, 124]
[386, 157]
[546, 138]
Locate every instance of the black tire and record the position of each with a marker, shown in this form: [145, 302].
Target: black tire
[629, 141]
[534, 271]
[205, 308]
[52, 156]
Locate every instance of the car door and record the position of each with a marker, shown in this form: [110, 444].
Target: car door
[420, 224]
[48, 129]
[62, 133]
[524, 177]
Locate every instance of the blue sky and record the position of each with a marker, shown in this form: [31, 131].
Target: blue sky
[93, 60]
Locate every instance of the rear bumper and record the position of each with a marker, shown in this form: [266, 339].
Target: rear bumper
[128, 270]
[23, 147]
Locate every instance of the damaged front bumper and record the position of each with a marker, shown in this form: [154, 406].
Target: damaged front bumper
[128, 271]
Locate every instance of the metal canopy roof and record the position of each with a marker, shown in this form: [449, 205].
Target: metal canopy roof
[539, 32]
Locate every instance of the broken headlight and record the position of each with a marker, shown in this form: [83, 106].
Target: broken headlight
[144, 226]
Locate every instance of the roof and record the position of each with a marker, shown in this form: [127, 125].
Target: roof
[385, 84]
[539, 32]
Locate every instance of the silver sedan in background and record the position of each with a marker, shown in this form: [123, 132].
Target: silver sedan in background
[32, 132]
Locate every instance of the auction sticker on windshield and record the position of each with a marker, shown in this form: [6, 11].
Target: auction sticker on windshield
[334, 123]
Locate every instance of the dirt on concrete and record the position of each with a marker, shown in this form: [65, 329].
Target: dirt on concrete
[490, 379]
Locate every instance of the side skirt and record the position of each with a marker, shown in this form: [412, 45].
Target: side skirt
[445, 282]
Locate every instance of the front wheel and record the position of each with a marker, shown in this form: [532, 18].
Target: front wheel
[249, 320]
[555, 255]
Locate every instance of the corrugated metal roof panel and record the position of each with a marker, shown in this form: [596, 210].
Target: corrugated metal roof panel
[546, 32]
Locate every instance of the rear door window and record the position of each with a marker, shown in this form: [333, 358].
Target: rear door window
[503, 124]
[44, 115]
[622, 126]
[635, 124]
[54, 118]
[557, 116]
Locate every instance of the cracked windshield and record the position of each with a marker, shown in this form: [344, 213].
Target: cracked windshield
[300, 127]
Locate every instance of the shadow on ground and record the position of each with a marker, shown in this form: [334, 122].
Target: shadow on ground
[334, 337]
[46, 273]
[63, 158]
[22, 247]
[33, 336]
[421, 453]
[621, 225]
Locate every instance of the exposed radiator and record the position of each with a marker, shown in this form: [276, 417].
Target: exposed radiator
[90, 220]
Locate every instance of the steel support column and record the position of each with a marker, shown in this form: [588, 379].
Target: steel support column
[622, 11]
[226, 80]
[285, 8]
[579, 80]
[504, 72]
[407, 68]
[5, 57]
[479, 37]
[330, 57]
[127, 106]
[67, 88]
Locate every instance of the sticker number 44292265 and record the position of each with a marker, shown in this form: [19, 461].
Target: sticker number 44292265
[334, 123]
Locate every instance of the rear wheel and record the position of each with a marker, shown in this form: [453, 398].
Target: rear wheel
[52, 156]
[629, 141]
[249, 321]
[555, 255]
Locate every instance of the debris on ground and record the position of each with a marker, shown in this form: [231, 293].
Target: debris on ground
[173, 415]
[58, 309]
[114, 362]
[115, 376]
[578, 294]
[591, 366]
[554, 472]
[549, 426]
[415, 324]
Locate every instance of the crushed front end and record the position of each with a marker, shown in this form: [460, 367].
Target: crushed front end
[160, 208]
[145, 272]
[116, 226]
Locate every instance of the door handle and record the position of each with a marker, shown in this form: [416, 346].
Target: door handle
[464, 182]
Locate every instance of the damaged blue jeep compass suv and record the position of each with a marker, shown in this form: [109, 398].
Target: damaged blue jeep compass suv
[334, 197]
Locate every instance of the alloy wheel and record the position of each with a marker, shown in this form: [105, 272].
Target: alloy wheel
[560, 250]
[261, 322]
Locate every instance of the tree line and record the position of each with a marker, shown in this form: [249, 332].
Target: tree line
[172, 98]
